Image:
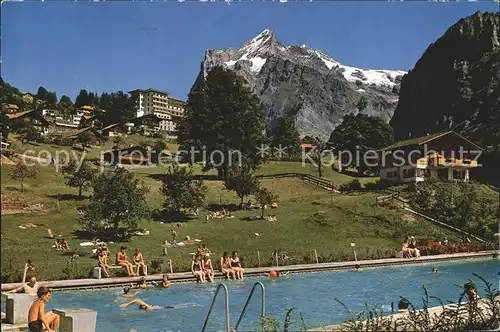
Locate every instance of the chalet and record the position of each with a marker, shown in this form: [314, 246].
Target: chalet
[440, 156]
[10, 108]
[94, 134]
[116, 129]
[28, 97]
[146, 124]
[35, 118]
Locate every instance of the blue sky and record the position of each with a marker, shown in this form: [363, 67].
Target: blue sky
[106, 46]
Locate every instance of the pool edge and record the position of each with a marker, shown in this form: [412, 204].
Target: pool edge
[89, 284]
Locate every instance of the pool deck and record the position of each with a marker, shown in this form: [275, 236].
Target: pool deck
[89, 284]
[434, 313]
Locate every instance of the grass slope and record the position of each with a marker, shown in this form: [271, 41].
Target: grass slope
[308, 218]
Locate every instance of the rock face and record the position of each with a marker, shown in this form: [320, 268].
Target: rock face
[306, 84]
[455, 84]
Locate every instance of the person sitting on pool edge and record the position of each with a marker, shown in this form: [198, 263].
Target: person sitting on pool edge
[197, 268]
[403, 305]
[38, 318]
[121, 259]
[30, 288]
[236, 265]
[225, 265]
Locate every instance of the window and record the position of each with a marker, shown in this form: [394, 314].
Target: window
[459, 175]
[409, 173]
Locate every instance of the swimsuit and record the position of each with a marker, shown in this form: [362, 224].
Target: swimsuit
[197, 266]
[35, 326]
[236, 263]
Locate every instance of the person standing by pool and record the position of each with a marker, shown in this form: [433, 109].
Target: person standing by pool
[121, 259]
[37, 318]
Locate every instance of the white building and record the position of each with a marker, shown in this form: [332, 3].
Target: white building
[159, 103]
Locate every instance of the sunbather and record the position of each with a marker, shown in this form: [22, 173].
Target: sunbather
[30, 288]
[197, 269]
[208, 268]
[121, 259]
[236, 265]
[139, 262]
[225, 265]
[103, 263]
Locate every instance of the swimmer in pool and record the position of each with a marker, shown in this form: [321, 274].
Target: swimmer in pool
[358, 267]
[435, 270]
[144, 306]
[126, 292]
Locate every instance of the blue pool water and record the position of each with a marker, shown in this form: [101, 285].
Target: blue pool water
[313, 294]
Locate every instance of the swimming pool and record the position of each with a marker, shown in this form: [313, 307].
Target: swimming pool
[313, 294]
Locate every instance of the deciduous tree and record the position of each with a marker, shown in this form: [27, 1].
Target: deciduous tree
[117, 204]
[183, 192]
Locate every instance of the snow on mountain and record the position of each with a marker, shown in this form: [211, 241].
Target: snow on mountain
[257, 49]
[306, 84]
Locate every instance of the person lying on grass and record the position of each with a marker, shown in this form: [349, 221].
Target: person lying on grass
[144, 306]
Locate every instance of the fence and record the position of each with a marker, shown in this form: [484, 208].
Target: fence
[315, 180]
[395, 196]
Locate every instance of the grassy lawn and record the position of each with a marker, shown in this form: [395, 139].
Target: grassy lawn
[308, 218]
[91, 153]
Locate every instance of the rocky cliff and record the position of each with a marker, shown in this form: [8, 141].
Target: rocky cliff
[455, 84]
[306, 84]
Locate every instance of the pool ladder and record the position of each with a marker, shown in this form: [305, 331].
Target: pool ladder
[226, 291]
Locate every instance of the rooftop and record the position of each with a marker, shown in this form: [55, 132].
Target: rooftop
[425, 139]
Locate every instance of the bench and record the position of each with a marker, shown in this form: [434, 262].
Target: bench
[97, 271]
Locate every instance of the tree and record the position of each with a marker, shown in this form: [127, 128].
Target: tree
[182, 190]
[285, 134]
[119, 141]
[223, 115]
[317, 153]
[159, 146]
[119, 107]
[79, 176]
[65, 100]
[20, 172]
[117, 204]
[86, 139]
[265, 197]
[361, 133]
[242, 180]
[28, 133]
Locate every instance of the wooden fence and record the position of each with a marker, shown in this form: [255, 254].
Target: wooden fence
[315, 180]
